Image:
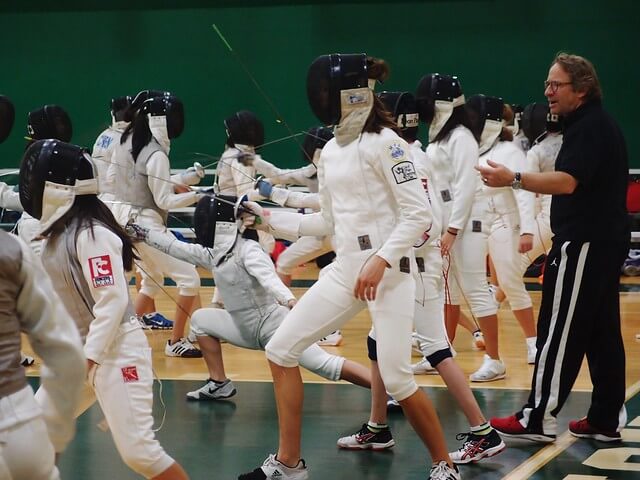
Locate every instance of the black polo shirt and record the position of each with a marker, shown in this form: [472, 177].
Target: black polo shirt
[595, 154]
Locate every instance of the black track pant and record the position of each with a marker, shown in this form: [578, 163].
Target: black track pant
[579, 314]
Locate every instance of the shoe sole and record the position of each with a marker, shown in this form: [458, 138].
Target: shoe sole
[329, 344]
[376, 447]
[155, 327]
[533, 437]
[182, 356]
[206, 398]
[493, 379]
[491, 452]
[597, 436]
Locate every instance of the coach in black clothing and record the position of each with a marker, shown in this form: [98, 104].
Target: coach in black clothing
[580, 310]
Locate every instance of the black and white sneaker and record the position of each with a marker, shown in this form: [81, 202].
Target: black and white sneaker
[442, 471]
[182, 348]
[365, 439]
[272, 469]
[477, 447]
[213, 390]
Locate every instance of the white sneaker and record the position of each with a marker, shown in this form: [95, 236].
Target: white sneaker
[272, 469]
[423, 367]
[182, 348]
[213, 391]
[531, 351]
[442, 471]
[332, 340]
[26, 360]
[489, 371]
[478, 341]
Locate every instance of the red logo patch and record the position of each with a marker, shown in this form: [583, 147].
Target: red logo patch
[101, 271]
[130, 374]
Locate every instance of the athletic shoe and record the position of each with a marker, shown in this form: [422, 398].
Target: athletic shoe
[365, 439]
[213, 391]
[156, 321]
[442, 471]
[511, 427]
[182, 348]
[631, 265]
[272, 469]
[392, 404]
[26, 360]
[423, 367]
[478, 341]
[489, 371]
[582, 429]
[332, 340]
[477, 447]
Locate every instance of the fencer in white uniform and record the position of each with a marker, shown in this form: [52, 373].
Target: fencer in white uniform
[511, 213]
[371, 199]
[482, 441]
[86, 255]
[256, 299]
[29, 440]
[144, 193]
[453, 155]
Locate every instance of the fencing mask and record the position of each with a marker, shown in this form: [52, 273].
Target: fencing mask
[7, 117]
[244, 128]
[436, 97]
[403, 107]
[52, 174]
[485, 113]
[340, 93]
[166, 118]
[216, 225]
[50, 121]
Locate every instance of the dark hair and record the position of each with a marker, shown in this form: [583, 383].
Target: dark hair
[582, 72]
[506, 135]
[89, 210]
[139, 128]
[379, 117]
[459, 116]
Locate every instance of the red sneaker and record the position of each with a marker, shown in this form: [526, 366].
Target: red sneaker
[511, 427]
[582, 429]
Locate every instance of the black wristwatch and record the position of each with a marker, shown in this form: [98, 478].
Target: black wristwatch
[517, 181]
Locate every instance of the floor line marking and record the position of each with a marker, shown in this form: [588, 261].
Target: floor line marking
[549, 452]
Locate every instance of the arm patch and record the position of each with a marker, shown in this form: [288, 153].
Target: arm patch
[404, 172]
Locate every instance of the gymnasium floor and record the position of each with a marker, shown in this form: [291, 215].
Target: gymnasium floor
[222, 439]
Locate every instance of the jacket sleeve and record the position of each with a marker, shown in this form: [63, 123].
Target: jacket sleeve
[413, 208]
[291, 226]
[9, 199]
[293, 199]
[100, 255]
[55, 338]
[159, 181]
[284, 176]
[526, 200]
[192, 253]
[260, 266]
[464, 157]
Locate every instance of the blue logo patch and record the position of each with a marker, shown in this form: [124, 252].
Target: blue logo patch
[396, 151]
[104, 141]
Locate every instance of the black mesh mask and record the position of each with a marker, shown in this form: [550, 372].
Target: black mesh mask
[50, 121]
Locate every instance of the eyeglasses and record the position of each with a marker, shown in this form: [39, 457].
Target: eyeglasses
[554, 85]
